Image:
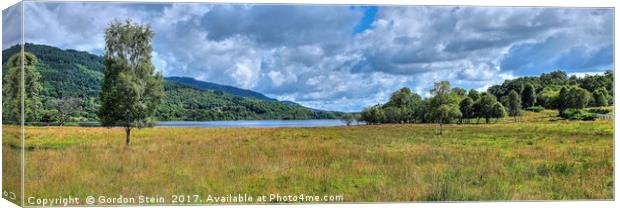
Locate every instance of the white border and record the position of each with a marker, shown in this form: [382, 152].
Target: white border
[558, 3]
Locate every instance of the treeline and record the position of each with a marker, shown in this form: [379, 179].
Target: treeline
[555, 90]
[191, 104]
[69, 83]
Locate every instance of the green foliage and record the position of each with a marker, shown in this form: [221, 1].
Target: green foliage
[467, 108]
[547, 97]
[64, 73]
[191, 104]
[131, 89]
[528, 96]
[485, 107]
[347, 118]
[544, 89]
[446, 113]
[595, 82]
[498, 111]
[577, 114]
[373, 115]
[473, 94]
[572, 98]
[63, 110]
[600, 97]
[221, 89]
[441, 88]
[599, 110]
[444, 106]
[535, 108]
[554, 78]
[12, 89]
[514, 104]
[458, 91]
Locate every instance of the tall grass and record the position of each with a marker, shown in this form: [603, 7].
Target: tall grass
[11, 164]
[540, 158]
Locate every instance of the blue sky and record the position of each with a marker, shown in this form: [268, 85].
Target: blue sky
[340, 57]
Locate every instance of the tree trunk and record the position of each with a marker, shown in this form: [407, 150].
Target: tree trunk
[128, 135]
[440, 129]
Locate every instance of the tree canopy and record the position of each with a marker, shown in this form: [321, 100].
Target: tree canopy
[131, 89]
[12, 88]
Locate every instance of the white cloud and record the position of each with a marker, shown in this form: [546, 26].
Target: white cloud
[310, 55]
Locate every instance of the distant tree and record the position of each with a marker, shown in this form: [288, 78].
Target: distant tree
[467, 108]
[554, 78]
[504, 100]
[65, 108]
[594, 82]
[514, 104]
[357, 117]
[547, 96]
[392, 115]
[446, 113]
[373, 115]
[421, 110]
[12, 88]
[347, 118]
[378, 114]
[600, 97]
[578, 98]
[562, 100]
[483, 108]
[496, 90]
[474, 95]
[574, 98]
[443, 105]
[400, 98]
[440, 88]
[131, 89]
[402, 106]
[528, 96]
[459, 91]
[498, 111]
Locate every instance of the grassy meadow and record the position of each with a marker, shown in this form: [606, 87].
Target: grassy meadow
[541, 157]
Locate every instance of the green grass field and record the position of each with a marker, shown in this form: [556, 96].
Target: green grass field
[539, 158]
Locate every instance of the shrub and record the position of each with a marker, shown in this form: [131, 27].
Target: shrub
[535, 108]
[599, 110]
[573, 114]
[589, 117]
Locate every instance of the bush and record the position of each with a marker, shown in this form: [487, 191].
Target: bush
[535, 109]
[589, 117]
[599, 110]
[573, 114]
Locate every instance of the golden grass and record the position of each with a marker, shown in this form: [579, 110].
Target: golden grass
[540, 158]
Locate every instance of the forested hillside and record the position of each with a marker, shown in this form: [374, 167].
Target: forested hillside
[71, 82]
[217, 87]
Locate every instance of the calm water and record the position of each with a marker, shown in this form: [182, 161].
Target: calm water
[258, 123]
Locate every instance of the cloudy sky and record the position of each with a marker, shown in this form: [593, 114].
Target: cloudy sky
[340, 57]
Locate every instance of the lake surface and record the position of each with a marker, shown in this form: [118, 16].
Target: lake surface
[256, 123]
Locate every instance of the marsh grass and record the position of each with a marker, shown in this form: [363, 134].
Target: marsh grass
[539, 158]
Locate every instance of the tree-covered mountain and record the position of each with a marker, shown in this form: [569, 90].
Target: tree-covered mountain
[70, 75]
[217, 87]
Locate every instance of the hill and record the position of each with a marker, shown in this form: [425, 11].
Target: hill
[67, 74]
[217, 87]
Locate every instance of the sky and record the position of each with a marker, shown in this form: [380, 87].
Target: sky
[339, 57]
